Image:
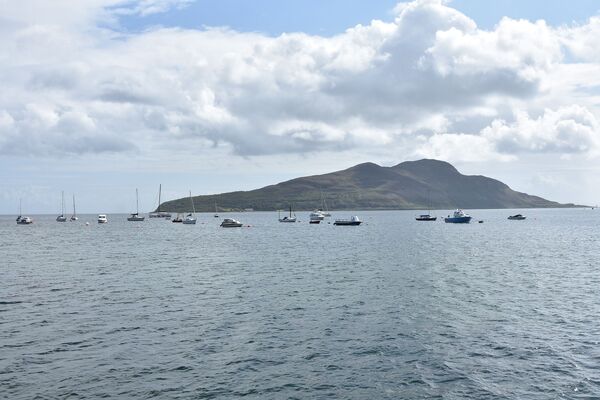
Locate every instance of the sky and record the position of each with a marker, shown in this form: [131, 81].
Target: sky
[101, 97]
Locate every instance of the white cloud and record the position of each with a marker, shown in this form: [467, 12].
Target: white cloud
[71, 85]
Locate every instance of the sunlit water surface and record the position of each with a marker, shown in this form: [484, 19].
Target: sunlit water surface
[391, 309]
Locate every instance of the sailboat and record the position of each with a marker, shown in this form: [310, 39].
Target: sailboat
[287, 219]
[158, 213]
[136, 215]
[427, 217]
[21, 219]
[324, 210]
[74, 216]
[61, 217]
[190, 219]
[216, 214]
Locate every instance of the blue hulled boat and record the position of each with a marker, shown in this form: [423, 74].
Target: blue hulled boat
[459, 217]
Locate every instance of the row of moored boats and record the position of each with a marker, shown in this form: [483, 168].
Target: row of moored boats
[460, 217]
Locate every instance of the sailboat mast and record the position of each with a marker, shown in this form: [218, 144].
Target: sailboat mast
[137, 207]
[62, 205]
[159, 190]
[192, 201]
[74, 212]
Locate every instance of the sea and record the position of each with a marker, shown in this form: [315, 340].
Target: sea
[391, 309]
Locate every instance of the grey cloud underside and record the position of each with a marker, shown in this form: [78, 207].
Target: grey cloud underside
[426, 74]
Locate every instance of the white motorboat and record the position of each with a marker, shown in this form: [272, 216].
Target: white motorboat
[190, 219]
[61, 217]
[231, 223]
[136, 215]
[317, 215]
[353, 221]
[158, 213]
[102, 219]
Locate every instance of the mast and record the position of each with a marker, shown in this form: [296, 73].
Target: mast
[290, 210]
[192, 201]
[159, 190]
[74, 212]
[62, 205]
[137, 207]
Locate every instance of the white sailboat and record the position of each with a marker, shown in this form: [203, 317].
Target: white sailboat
[22, 219]
[74, 216]
[216, 213]
[158, 213]
[324, 210]
[61, 217]
[190, 219]
[136, 215]
[287, 218]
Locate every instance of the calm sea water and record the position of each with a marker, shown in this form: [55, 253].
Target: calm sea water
[391, 309]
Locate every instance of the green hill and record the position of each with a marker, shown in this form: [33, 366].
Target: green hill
[368, 186]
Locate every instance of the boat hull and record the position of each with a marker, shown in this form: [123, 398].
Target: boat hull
[347, 223]
[426, 218]
[134, 219]
[457, 220]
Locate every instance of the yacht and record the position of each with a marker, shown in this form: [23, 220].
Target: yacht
[317, 215]
[287, 218]
[348, 222]
[231, 223]
[61, 217]
[158, 213]
[459, 217]
[518, 217]
[102, 219]
[74, 216]
[178, 219]
[190, 219]
[21, 219]
[136, 215]
[425, 217]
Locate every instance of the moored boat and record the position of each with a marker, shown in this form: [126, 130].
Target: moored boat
[317, 215]
[133, 217]
[74, 216]
[61, 217]
[458, 217]
[178, 218]
[348, 222]
[102, 219]
[24, 220]
[425, 217]
[231, 223]
[158, 213]
[518, 217]
[287, 218]
[190, 219]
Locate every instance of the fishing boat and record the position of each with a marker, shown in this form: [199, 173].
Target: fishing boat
[517, 217]
[231, 223]
[353, 221]
[133, 217]
[61, 217]
[458, 217]
[158, 213]
[190, 219]
[178, 218]
[22, 219]
[102, 219]
[287, 218]
[74, 216]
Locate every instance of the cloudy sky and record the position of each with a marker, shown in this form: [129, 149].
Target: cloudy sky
[99, 97]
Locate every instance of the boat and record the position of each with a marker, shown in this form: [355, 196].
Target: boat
[22, 219]
[459, 217]
[231, 223]
[190, 219]
[518, 217]
[316, 215]
[178, 219]
[428, 216]
[61, 217]
[324, 209]
[102, 219]
[158, 213]
[348, 222]
[287, 218]
[133, 217]
[216, 213]
[74, 216]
